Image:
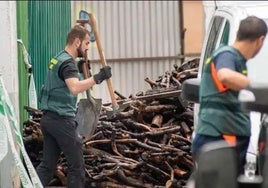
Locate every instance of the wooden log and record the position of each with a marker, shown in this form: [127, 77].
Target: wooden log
[119, 94]
[186, 130]
[105, 141]
[159, 108]
[179, 172]
[108, 184]
[61, 176]
[169, 183]
[33, 111]
[157, 121]
[178, 137]
[152, 83]
[123, 115]
[130, 181]
[105, 173]
[136, 125]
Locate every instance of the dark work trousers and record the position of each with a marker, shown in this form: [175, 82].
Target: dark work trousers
[60, 135]
[242, 143]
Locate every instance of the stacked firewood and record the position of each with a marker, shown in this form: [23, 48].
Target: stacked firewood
[146, 144]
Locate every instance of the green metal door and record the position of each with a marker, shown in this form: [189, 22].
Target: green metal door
[49, 22]
[22, 34]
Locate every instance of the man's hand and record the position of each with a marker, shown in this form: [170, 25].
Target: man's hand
[105, 73]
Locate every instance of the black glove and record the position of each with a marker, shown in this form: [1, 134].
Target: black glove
[80, 65]
[105, 73]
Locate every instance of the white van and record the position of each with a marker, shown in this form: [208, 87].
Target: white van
[222, 21]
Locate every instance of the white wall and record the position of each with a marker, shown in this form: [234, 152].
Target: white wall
[8, 49]
[9, 71]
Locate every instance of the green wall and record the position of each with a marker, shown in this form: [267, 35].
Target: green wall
[49, 22]
[22, 33]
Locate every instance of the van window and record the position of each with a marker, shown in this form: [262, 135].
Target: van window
[225, 34]
[219, 35]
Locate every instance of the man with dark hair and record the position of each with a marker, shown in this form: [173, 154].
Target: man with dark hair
[225, 73]
[58, 102]
[251, 28]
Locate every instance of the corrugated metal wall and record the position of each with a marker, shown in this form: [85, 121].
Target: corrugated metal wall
[49, 22]
[140, 39]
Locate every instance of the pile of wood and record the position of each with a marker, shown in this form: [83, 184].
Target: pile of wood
[145, 145]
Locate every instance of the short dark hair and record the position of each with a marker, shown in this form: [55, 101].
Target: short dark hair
[251, 28]
[77, 31]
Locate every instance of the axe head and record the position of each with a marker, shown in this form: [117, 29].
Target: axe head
[84, 20]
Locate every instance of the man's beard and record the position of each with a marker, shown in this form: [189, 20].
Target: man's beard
[80, 53]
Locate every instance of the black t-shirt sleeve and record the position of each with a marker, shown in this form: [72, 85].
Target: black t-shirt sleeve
[225, 60]
[68, 69]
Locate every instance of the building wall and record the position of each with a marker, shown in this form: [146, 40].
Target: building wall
[8, 49]
[9, 72]
[193, 16]
[139, 38]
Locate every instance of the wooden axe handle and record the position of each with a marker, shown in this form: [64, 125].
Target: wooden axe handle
[103, 60]
[85, 66]
[86, 71]
[82, 22]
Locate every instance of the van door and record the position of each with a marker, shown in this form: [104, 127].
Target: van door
[218, 35]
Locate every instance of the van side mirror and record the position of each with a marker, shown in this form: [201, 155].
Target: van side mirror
[190, 90]
[254, 98]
